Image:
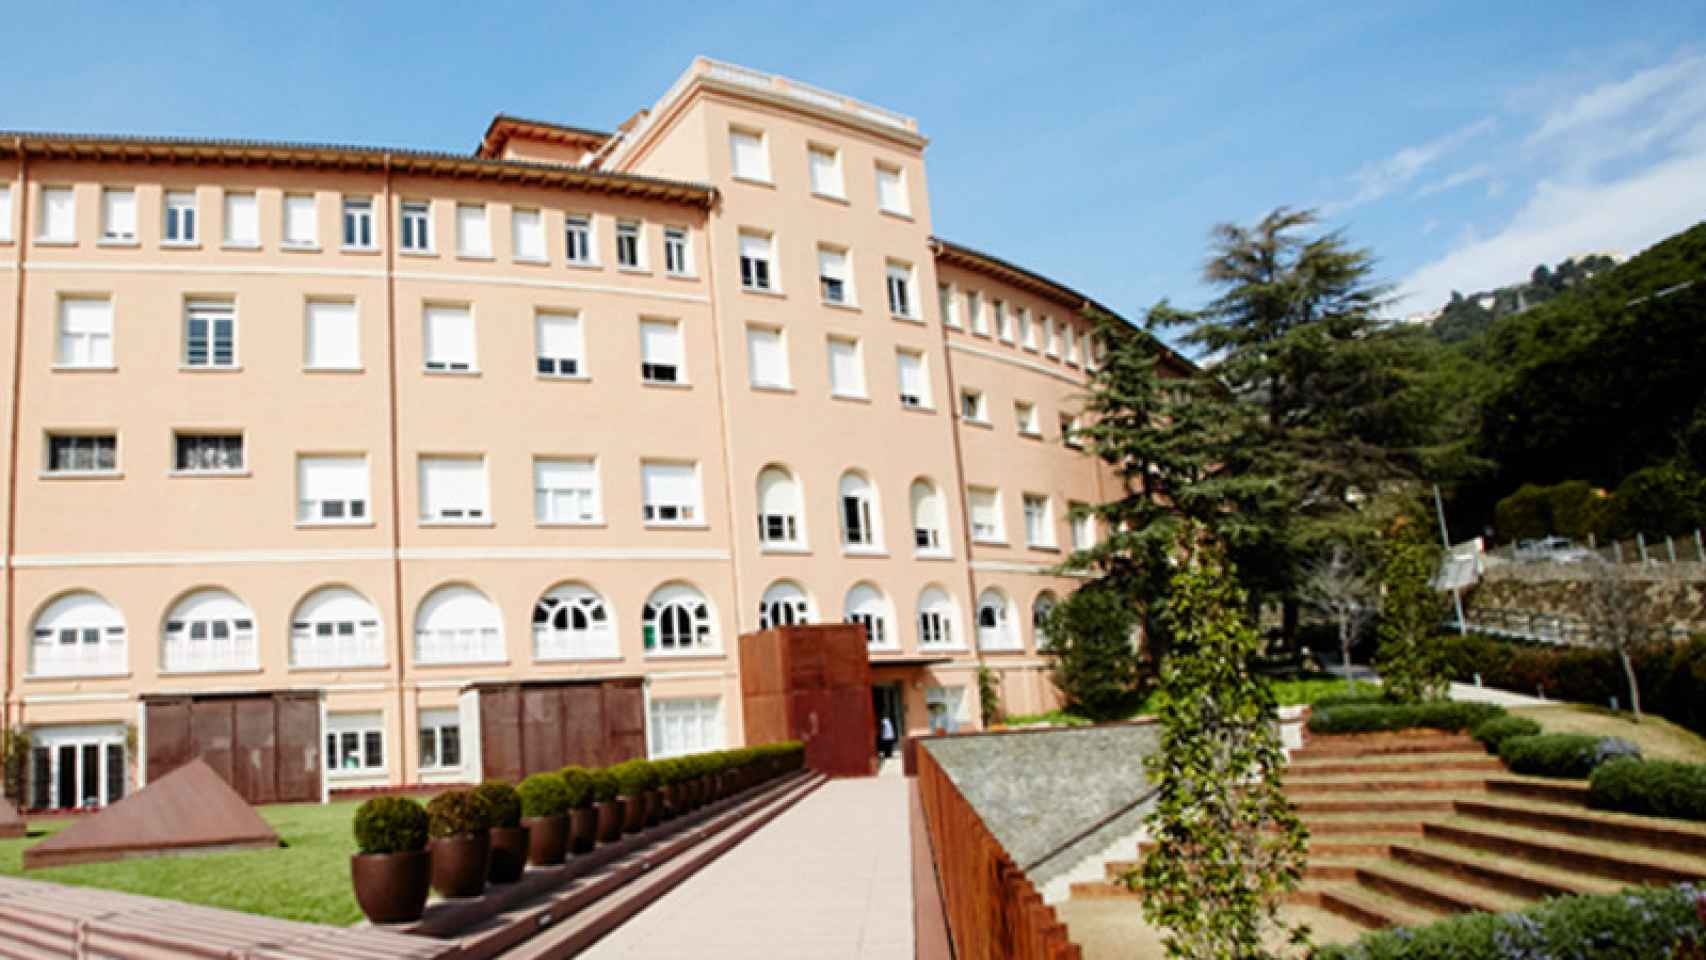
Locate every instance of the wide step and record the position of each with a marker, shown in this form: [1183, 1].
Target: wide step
[1647, 832]
[1549, 850]
[1389, 767]
[1335, 746]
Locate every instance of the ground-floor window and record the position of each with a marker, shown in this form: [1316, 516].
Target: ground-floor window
[355, 743]
[77, 766]
[441, 739]
[944, 705]
[681, 726]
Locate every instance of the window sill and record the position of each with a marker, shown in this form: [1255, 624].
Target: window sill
[764, 292]
[180, 244]
[682, 276]
[583, 265]
[935, 555]
[562, 377]
[974, 422]
[667, 384]
[450, 373]
[367, 251]
[1031, 434]
[772, 388]
[530, 261]
[599, 658]
[876, 552]
[235, 245]
[50, 242]
[848, 306]
[897, 214]
[334, 370]
[783, 549]
[634, 271]
[684, 654]
[209, 671]
[458, 523]
[661, 525]
[1043, 547]
[299, 247]
[117, 242]
[571, 524]
[497, 662]
[918, 408]
[885, 650]
[985, 542]
[851, 398]
[335, 524]
[754, 181]
[1007, 651]
[209, 368]
[907, 318]
[323, 667]
[473, 257]
[943, 648]
[363, 773]
[421, 254]
[80, 475]
[85, 368]
[90, 675]
[832, 198]
[218, 474]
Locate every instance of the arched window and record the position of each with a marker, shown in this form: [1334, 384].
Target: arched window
[859, 517]
[994, 625]
[209, 630]
[783, 605]
[458, 624]
[778, 508]
[935, 618]
[1040, 610]
[335, 627]
[571, 623]
[80, 634]
[678, 619]
[867, 606]
[929, 520]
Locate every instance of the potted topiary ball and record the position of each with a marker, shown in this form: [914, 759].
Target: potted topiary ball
[583, 819]
[632, 784]
[393, 872]
[545, 814]
[669, 787]
[459, 824]
[508, 855]
[604, 789]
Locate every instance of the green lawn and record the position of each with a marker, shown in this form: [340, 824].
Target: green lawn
[1658, 738]
[306, 880]
[1289, 693]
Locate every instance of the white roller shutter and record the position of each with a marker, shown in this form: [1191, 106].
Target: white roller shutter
[449, 338]
[473, 236]
[301, 220]
[333, 336]
[766, 358]
[242, 219]
[528, 230]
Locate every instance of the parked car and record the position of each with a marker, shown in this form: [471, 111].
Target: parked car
[1551, 550]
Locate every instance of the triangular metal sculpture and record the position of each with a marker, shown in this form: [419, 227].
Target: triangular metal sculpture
[11, 825]
[190, 809]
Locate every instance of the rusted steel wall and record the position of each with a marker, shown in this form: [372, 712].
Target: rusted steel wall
[812, 684]
[994, 912]
[266, 746]
[541, 728]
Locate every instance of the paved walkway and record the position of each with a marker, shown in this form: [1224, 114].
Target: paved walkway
[829, 879]
[1469, 693]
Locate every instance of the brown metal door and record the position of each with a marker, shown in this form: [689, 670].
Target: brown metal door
[212, 734]
[500, 733]
[624, 720]
[254, 762]
[582, 725]
[542, 730]
[169, 741]
[297, 759]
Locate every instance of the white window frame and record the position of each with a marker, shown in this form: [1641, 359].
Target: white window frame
[763, 340]
[678, 251]
[833, 186]
[88, 347]
[6, 212]
[902, 289]
[698, 720]
[1003, 635]
[865, 533]
[783, 529]
[180, 202]
[472, 632]
[241, 212]
[354, 508]
[670, 603]
[761, 155]
[227, 630]
[921, 399]
[79, 634]
[657, 368]
[527, 230]
[473, 231]
[974, 406]
[1003, 321]
[835, 265]
[928, 539]
[938, 620]
[994, 532]
[439, 357]
[631, 246]
[1025, 416]
[357, 228]
[688, 512]
[435, 510]
[414, 227]
[1083, 526]
[324, 315]
[334, 628]
[785, 604]
[210, 313]
[858, 389]
[1039, 520]
[366, 728]
[61, 228]
[880, 632]
[900, 202]
[1027, 329]
[758, 266]
[221, 441]
[300, 229]
[95, 454]
[569, 602]
[566, 361]
[431, 727]
[55, 739]
[118, 212]
[978, 317]
[1069, 431]
[947, 301]
[580, 240]
[567, 504]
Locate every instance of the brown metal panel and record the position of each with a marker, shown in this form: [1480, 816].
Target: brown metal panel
[500, 732]
[212, 734]
[806, 670]
[762, 664]
[169, 742]
[766, 718]
[541, 730]
[298, 761]
[582, 725]
[847, 661]
[848, 747]
[254, 762]
[624, 720]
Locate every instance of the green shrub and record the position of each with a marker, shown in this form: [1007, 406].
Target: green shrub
[578, 781]
[458, 813]
[503, 803]
[1656, 788]
[544, 795]
[390, 825]
[1563, 754]
[1445, 715]
[1363, 694]
[1499, 729]
[604, 785]
[1638, 924]
[633, 777]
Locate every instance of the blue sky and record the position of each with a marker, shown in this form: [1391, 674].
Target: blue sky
[1093, 142]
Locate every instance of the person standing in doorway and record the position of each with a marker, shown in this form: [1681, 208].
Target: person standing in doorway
[885, 738]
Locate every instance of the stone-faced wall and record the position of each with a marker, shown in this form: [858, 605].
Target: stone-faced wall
[1674, 596]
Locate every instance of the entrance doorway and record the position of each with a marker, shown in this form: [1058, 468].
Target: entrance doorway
[887, 700]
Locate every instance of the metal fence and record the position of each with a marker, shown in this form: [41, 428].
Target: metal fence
[1686, 555]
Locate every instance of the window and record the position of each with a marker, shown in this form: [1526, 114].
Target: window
[973, 407]
[867, 607]
[935, 618]
[77, 765]
[683, 726]
[79, 634]
[559, 344]
[891, 190]
[1083, 527]
[914, 379]
[929, 520]
[336, 627]
[1051, 335]
[945, 302]
[449, 338]
[527, 234]
[1027, 329]
[946, 707]
[1040, 611]
[5, 212]
[675, 252]
[1071, 347]
[859, 527]
[571, 623]
[416, 221]
[210, 334]
[974, 310]
[355, 743]
[441, 739]
[670, 492]
[783, 605]
[767, 357]
[85, 332]
[900, 289]
[577, 240]
[58, 215]
[565, 490]
[629, 245]
[846, 368]
[834, 277]
[458, 624]
[1069, 431]
[473, 231]
[677, 619]
[208, 453]
[331, 489]
[748, 157]
[179, 225]
[1025, 415]
[358, 223]
[825, 165]
[778, 508]
[1039, 521]
[660, 352]
[242, 220]
[209, 630]
[755, 262]
[453, 489]
[1003, 322]
[332, 336]
[986, 515]
[118, 215]
[301, 220]
[82, 453]
[994, 627]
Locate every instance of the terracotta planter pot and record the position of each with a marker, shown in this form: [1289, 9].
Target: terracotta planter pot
[392, 887]
[508, 855]
[609, 820]
[633, 813]
[547, 840]
[583, 829]
[459, 865]
[654, 807]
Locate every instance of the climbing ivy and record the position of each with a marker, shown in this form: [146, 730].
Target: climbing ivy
[1411, 666]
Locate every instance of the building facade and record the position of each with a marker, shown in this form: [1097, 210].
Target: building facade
[384, 425]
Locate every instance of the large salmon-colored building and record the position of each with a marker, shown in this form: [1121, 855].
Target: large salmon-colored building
[311, 445]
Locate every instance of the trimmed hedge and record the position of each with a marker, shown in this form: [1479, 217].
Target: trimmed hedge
[390, 825]
[634, 777]
[1638, 924]
[544, 795]
[1573, 755]
[1445, 715]
[1365, 694]
[503, 803]
[457, 813]
[579, 781]
[1657, 788]
[604, 785]
[1496, 731]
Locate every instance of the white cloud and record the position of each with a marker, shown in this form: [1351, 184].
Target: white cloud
[1610, 102]
[1479, 171]
[1395, 172]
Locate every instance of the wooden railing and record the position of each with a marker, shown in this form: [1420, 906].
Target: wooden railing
[994, 912]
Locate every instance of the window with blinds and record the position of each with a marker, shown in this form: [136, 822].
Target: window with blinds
[1025, 415]
[118, 215]
[242, 220]
[766, 357]
[559, 344]
[301, 220]
[85, 332]
[756, 267]
[660, 352]
[670, 492]
[331, 489]
[891, 190]
[58, 220]
[1083, 527]
[335, 627]
[914, 379]
[527, 234]
[826, 172]
[928, 522]
[1003, 322]
[946, 302]
[565, 491]
[1027, 331]
[473, 232]
[834, 276]
[846, 368]
[210, 334]
[332, 336]
[449, 338]
[453, 490]
[985, 515]
[748, 158]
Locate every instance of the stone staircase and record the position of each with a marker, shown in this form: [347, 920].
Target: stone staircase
[1408, 828]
